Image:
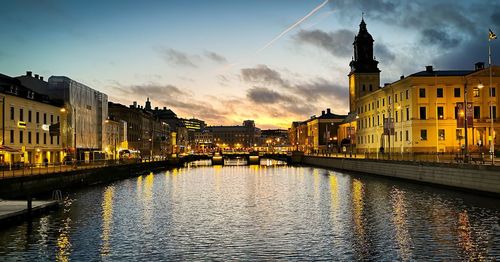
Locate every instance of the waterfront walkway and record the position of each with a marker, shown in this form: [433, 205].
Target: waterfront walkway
[13, 209]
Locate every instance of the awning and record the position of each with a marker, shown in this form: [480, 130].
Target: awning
[9, 149]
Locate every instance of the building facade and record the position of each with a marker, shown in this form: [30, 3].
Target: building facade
[422, 112]
[235, 137]
[30, 125]
[319, 134]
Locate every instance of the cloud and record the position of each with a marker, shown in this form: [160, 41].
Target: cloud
[179, 58]
[262, 74]
[440, 38]
[263, 95]
[383, 53]
[297, 98]
[215, 57]
[338, 43]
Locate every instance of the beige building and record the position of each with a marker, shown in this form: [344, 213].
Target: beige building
[422, 112]
[30, 125]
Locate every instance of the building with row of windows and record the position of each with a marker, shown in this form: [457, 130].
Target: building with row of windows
[319, 134]
[422, 112]
[27, 120]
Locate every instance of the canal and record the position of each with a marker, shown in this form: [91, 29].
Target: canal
[266, 212]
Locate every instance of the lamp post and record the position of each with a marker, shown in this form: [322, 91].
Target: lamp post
[350, 136]
[492, 129]
[466, 148]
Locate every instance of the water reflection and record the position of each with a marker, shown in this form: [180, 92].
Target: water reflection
[63, 240]
[107, 219]
[268, 212]
[399, 212]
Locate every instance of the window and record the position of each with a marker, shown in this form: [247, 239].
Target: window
[407, 94]
[421, 92]
[476, 92]
[406, 135]
[459, 134]
[378, 120]
[423, 134]
[395, 136]
[44, 138]
[21, 114]
[389, 100]
[29, 137]
[395, 98]
[456, 92]
[37, 138]
[439, 92]
[12, 136]
[29, 116]
[51, 140]
[58, 140]
[51, 119]
[383, 102]
[493, 92]
[378, 104]
[11, 113]
[494, 111]
[477, 112]
[401, 135]
[440, 111]
[407, 113]
[45, 118]
[37, 117]
[364, 88]
[371, 87]
[423, 113]
[441, 134]
[396, 116]
[21, 136]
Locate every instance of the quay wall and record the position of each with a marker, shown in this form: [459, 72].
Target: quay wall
[479, 178]
[22, 187]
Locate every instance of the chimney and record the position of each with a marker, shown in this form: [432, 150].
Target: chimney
[429, 69]
[402, 77]
[323, 112]
[135, 104]
[386, 84]
[156, 108]
[36, 76]
[41, 78]
[29, 73]
[479, 66]
[328, 111]
[164, 108]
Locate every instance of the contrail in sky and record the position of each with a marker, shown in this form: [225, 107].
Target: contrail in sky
[316, 9]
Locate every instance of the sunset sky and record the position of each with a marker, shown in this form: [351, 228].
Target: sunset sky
[205, 59]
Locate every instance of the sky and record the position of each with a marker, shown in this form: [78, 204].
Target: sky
[216, 60]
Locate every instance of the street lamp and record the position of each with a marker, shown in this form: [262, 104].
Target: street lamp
[479, 86]
[350, 136]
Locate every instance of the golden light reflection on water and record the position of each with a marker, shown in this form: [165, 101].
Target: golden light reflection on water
[358, 204]
[139, 187]
[107, 219]
[148, 198]
[400, 221]
[63, 240]
[334, 193]
[466, 239]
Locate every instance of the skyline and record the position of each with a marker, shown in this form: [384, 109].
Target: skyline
[211, 64]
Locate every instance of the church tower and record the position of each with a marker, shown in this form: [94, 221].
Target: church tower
[365, 75]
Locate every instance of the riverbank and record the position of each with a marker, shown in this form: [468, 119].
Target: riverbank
[20, 187]
[476, 178]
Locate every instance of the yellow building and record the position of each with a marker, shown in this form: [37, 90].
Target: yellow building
[27, 121]
[424, 107]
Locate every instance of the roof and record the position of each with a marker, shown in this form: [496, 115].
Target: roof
[443, 73]
[351, 117]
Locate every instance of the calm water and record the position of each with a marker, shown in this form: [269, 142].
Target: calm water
[257, 213]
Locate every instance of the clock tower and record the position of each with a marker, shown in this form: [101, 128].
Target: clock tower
[365, 75]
